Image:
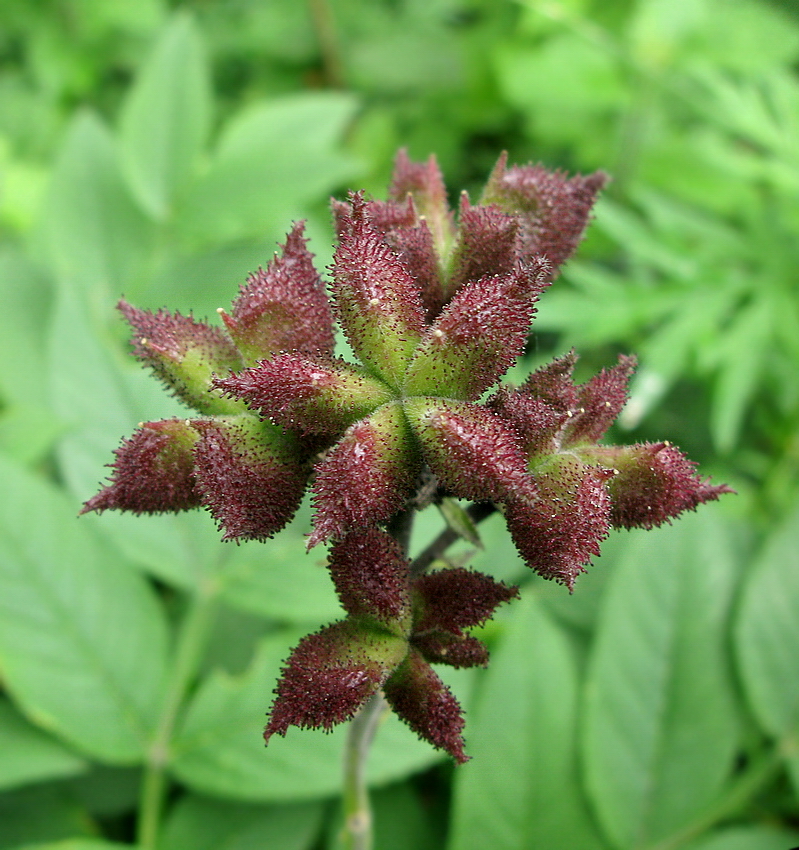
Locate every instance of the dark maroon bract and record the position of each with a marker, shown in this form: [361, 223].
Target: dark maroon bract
[435, 309]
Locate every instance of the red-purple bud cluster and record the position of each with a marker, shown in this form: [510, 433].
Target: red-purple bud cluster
[436, 310]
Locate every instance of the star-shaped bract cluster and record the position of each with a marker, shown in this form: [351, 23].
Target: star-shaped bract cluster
[435, 308]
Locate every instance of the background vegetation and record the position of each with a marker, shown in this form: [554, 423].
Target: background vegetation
[160, 151]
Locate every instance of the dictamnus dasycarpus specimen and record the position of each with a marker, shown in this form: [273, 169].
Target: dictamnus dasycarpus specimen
[436, 307]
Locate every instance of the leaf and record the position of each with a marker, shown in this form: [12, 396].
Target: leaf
[522, 790]
[79, 844]
[274, 158]
[459, 521]
[30, 755]
[203, 823]
[767, 635]
[166, 118]
[661, 727]
[219, 748]
[42, 813]
[82, 639]
[747, 838]
[282, 581]
[91, 229]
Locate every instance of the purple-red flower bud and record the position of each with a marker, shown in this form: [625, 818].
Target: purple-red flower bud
[654, 482]
[427, 705]
[558, 533]
[366, 477]
[185, 354]
[330, 675]
[473, 453]
[371, 576]
[456, 599]
[377, 301]
[552, 209]
[282, 308]
[313, 395]
[153, 471]
[478, 336]
[250, 473]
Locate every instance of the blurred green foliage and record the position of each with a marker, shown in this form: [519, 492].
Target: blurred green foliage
[160, 151]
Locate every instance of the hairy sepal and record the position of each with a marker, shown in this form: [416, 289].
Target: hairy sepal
[485, 246]
[473, 453]
[424, 183]
[377, 301]
[330, 675]
[186, 355]
[153, 471]
[552, 209]
[653, 483]
[283, 307]
[478, 337]
[313, 395]
[558, 533]
[427, 705]
[366, 477]
[251, 475]
[371, 576]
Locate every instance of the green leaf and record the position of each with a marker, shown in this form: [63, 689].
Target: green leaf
[522, 790]
[219, 748]
[767, 635]
[203, 823]
[661, 726]
[91, 229]
[459, 521]
[82, 639]
[747, 838]
[79, 844]
[166, 118]
[42, 813]
[273, 159]
[281, 581]
[30, 755]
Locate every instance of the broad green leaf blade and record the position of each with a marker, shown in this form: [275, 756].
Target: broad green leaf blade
[281, 581]
[219, 748]
[79, 844]
[203, 823]
[30, 755]
[82, 639]
[747, 838]
[661, 728]
[273, 160]
[522, 789]
[767, 635]
[41, 813]
[166, 118]
[91, 228]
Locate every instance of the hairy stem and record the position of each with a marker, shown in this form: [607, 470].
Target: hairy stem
[188, 650]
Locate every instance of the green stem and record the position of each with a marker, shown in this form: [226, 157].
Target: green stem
[325, 29]
[191, 639]
[357, 830]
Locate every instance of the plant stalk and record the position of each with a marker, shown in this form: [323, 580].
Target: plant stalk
[188, 651]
